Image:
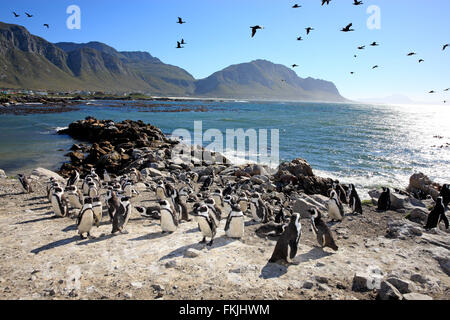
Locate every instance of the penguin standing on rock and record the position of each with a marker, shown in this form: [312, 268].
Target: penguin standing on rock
[335, 208]
[169, 219]
[59, 203]
[25, 183]
[287, 245]
[384, 201]
[86, 219]
[122, 216]
[340, 191]
[321, 230]
[354, 200]
[437, 215]
[206, 224]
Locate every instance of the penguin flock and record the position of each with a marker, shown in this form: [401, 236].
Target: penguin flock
[215, 204]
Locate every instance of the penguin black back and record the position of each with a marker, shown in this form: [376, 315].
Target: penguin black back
[384, 202]
[437, 215]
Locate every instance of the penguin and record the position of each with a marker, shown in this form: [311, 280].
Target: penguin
[129, 190]
[52, 188]
[135, 175]
[208, 182]
[445, 194]
[340, 191]
[243, 202]
[59, 203]
[98, 210]
[287, 244]
[180, 207]
[227, 201]
[215, 211]
[234, 228]
[260, 212]
[25, 183]
[113, 204]
[354, 200]
[92, 190]
[206, 224]
[50, 185]
[122, 216]
[161, 191]
[169, 219]
[74, 178]
[218, 198]
[150, 212]
[95, 176]
[228, 190]
[321, 230]
[437, 215]
[282, 216]
[86, 218]
[335, 208]
[85, 185]
[75, 197]
[384, 201]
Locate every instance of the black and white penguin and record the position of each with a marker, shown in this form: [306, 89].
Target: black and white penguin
[95, 176]
[85, 185]
[180, 207]
[113, 204]
[59, 203]
[208, 182]
[206, 224]
[55, 184]
[243, 202]
[218, 198]
[234, 228]
[92, 190]
[135, 175]
[122, 216]
[169, 219]
[287, 244]
[161, 191]
[340, 191]
[97, 207]
[282, 215]
[74, 178]
[26, 185]
[260, 212]
[335, 208]
[384, 201]
[445, 194]
[437, 215]
[228, 190]
[75, 197]
[86, 219]
[321, 230]
[129, 190]
[227, 203]
[215, 211]
[153, 212]
[354, 200]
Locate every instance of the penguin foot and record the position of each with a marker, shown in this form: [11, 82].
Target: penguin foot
[210, 243]
[203, 241]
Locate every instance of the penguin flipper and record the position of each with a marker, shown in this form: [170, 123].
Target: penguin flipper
[293, 245]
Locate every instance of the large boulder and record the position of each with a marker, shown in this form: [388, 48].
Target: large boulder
[388, 292]
[47, 174]
[2, 174]
[403, 229]
[363, 282]
[420, 183]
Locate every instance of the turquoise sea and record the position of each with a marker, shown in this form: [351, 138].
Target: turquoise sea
[367, 145]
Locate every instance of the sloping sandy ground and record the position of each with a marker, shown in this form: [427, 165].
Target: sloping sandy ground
[43, 257]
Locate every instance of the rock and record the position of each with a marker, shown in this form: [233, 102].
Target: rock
[158, 287]
[323, 287]
[171, 264]
[308, 285]
[151, 172]
[76, 157]
[419, 182]
[47, 174]
[403, 286]
[388, 292]
[192, 253]
[419, 278]
[416, 296]
[2, 174]
[321, 279]
[305, 203]
[418, 215]
[363, 282]
[403, 229]
[137, 285]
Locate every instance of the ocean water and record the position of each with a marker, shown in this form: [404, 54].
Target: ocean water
[367, 145]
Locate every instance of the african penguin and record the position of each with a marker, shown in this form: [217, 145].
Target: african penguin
[216, 212]
[335, 208]
[206, 224]
[169, 219]
[59, 203]
[321, 230]
[86, 218]
[92, 190]
[98, 210]
[160, 191]
[445, 194]
[75, 197]
[260, 212]
[122, 216]
[234, 227]
[287, 244]
[354, 200]
[74, 178]
[437, 215]
[113, 204]
[384, 201]
[25, 183]
[106, 176]
[180, 207]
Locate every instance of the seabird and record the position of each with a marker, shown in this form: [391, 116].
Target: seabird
[179, 45]
[325, 1]
[180, 21]
[16, 15]
[361, 48]
[254, 29]
[295, 6]
[445, 46]
[374, 67]
[294, 66]
[308, 30]
[29, 15]
[421, 60]
[299, 38]
[46, 25]
[374, 44]
[347, 28]
[411, 54]
[357, 3]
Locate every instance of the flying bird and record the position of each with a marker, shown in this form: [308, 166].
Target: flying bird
[352, 73]
[28, 15]
[374, 67]
[299, 39]
[182, 41]
[180, 21]
[447, 89]
[254, 29]
[294, 65]
[179, 45]
[374, 44]
[325, 1]
[432, 91]
[308, 30]
[445, 46]
[347, 28]
[411, 54]
[357, 3]
[46, 25]
[16, 15]
[295, 6]
[421, 60]
[361, 48]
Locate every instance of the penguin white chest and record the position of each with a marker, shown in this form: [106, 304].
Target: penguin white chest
[160, 193]
[55, 206]
[254, 211]
[236, 229]
[87, 221]
[204, 227]
[243, 205]
[333, 210]
[167, 224]
[98, 212]
[74, 201]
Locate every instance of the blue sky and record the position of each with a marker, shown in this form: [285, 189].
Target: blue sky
[218, 35]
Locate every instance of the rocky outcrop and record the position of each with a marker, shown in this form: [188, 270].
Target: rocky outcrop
[421, 186]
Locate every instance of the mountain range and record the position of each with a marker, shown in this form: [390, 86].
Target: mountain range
[31, 62]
